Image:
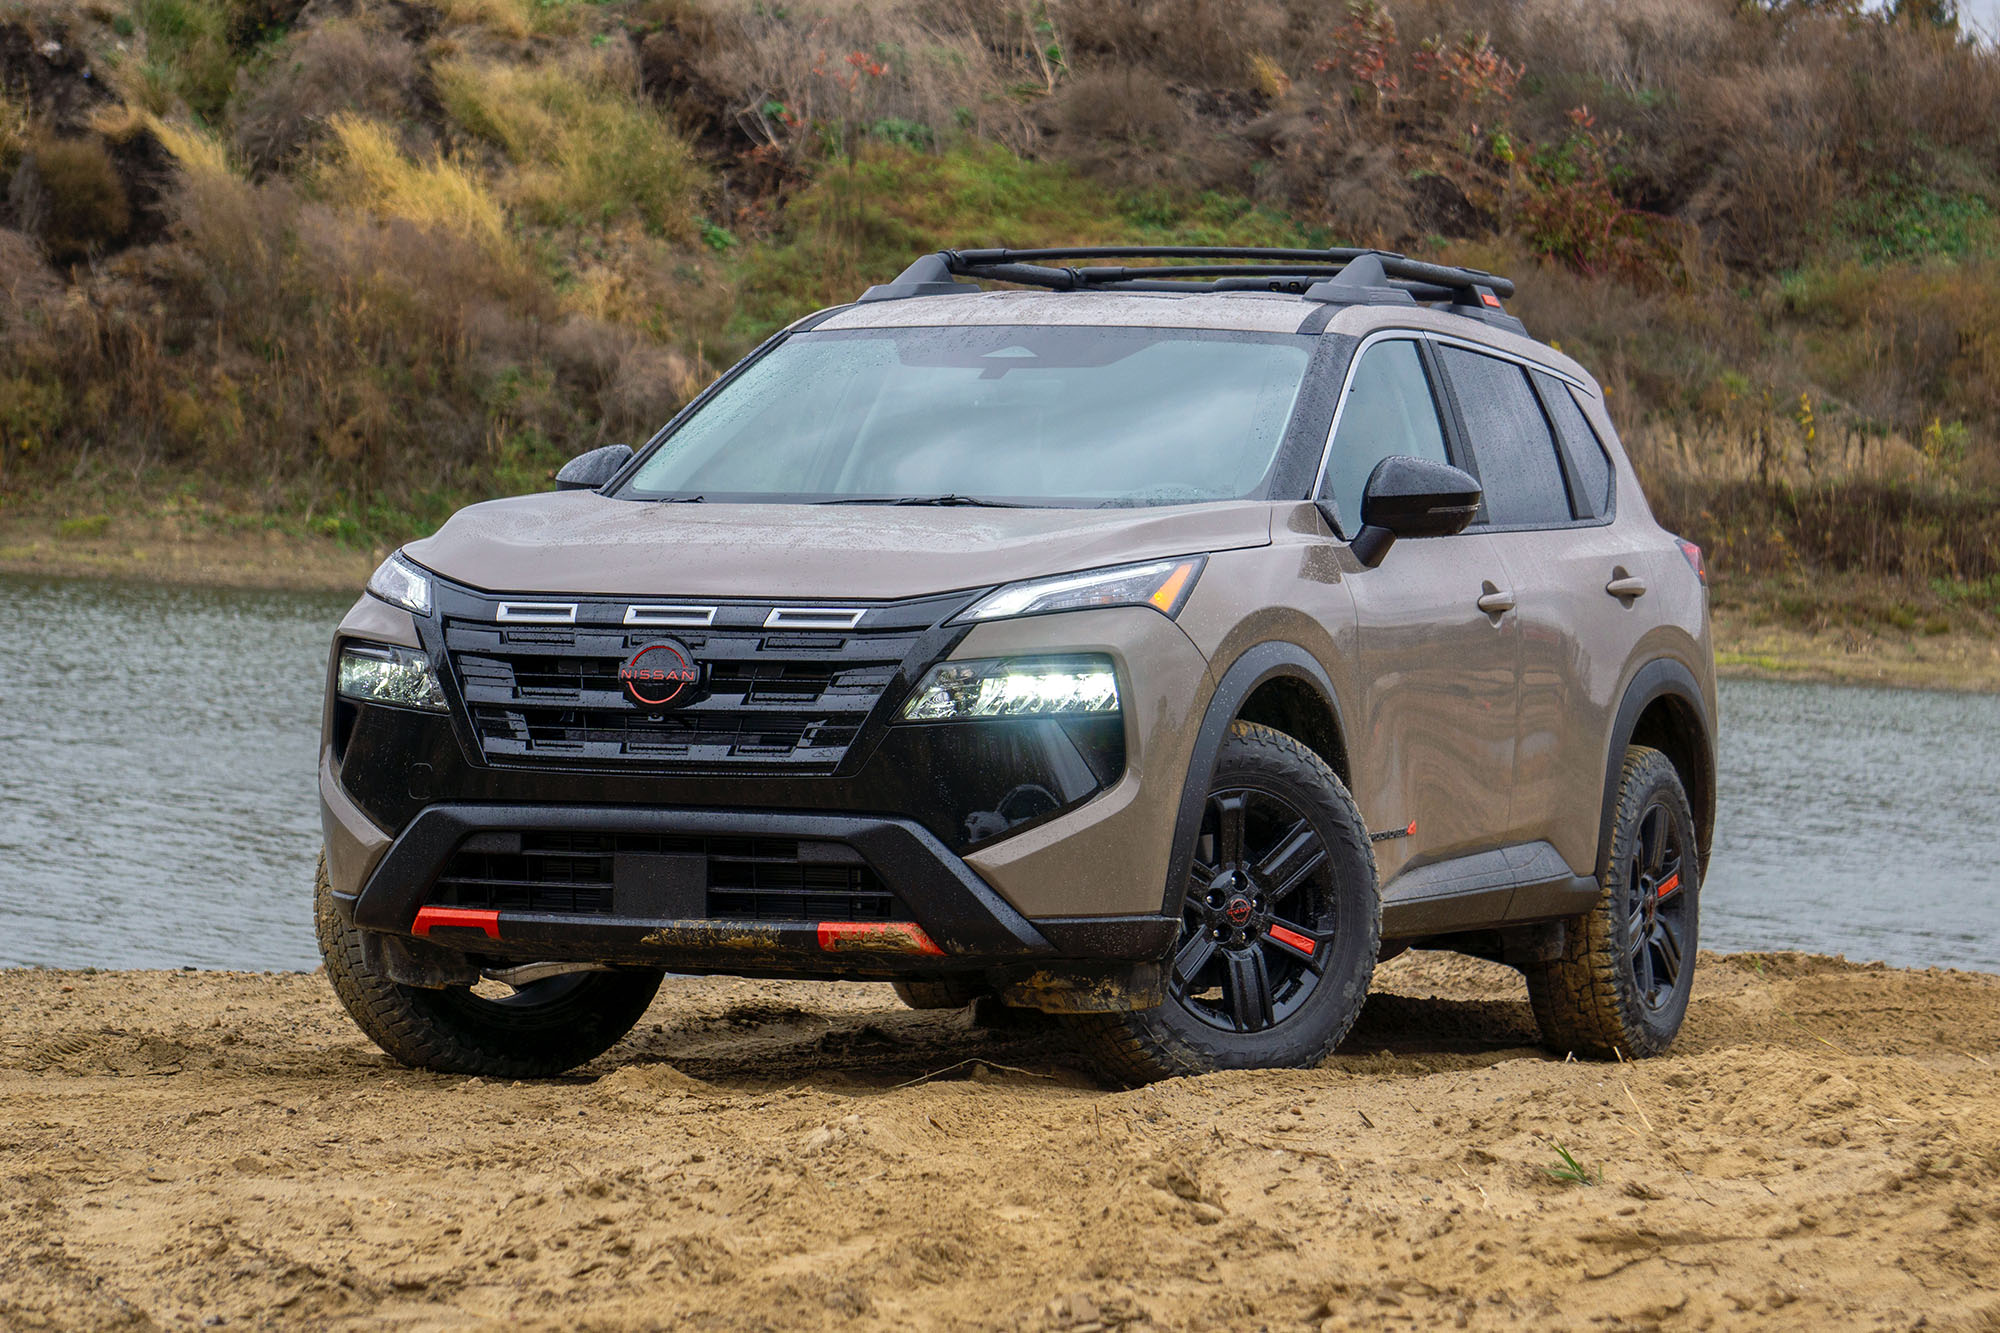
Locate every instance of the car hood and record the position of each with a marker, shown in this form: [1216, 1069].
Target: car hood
[582, 543]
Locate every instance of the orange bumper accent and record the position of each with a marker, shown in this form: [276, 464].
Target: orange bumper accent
[877, 937]
[430, 917]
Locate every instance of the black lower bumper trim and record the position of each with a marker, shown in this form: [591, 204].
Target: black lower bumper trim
[956, 908]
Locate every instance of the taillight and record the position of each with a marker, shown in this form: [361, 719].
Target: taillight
[1693, 555]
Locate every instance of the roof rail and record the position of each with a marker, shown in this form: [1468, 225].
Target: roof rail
[1338, 276]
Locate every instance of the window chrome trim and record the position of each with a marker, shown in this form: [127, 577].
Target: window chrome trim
[671, 617]
[814, 617]
[1486, 349]
[1444, 339]
[535, 613]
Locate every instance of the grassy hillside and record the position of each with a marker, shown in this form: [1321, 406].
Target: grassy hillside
[346, 264]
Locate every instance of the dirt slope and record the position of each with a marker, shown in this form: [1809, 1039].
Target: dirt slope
[185, 1150]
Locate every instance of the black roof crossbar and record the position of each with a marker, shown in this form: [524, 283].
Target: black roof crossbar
[1341, 276]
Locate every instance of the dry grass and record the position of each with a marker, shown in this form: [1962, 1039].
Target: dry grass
[584, 148]
[367, 168]
[798, 84]
[512, 19]
[14, 132]
[341, 65]
[66, 192]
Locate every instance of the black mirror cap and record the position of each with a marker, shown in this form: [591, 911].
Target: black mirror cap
[587, 472]
[1413, 497]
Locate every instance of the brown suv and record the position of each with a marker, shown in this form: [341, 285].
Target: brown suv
[1070, 643]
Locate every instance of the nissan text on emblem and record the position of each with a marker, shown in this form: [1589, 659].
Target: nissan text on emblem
[658, 674]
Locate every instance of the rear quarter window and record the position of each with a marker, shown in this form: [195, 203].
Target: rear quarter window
[1589, 465]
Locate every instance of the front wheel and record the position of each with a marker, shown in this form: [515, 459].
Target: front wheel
[541, 1028]
[938, 992]
[1281, 925]
[1621, 987]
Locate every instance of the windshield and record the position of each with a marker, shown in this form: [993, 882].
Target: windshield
[1020, 415]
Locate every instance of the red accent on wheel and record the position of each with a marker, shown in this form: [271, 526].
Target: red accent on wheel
[1671, 883]
[1293, 938]
[431, 917]
[878, 937]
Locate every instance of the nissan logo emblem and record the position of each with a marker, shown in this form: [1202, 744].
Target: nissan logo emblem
[658, 674]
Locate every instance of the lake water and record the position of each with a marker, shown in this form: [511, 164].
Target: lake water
[157, 750]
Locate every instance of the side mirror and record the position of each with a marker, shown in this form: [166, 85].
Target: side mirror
[586, 472]
[1412, 497]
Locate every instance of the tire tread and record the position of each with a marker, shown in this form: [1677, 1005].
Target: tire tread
[1126, 1048]
[415, 1033]
[1580, 1002]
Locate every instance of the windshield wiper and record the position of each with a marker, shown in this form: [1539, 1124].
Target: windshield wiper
[938, 500]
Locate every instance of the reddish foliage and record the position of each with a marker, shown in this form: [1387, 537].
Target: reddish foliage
[1363, 46]
[1468, 71]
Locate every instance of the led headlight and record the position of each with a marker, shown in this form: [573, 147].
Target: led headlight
[1161, 584]
[1015, 687]
[383, 675]
[401, 583]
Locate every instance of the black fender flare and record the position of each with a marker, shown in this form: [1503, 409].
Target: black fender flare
[1265, 662]
[1661, 678]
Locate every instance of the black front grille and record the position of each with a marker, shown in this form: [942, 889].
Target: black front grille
[547, 696]
[725, 878]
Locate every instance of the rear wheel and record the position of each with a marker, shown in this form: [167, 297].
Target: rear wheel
[1279, 931]
[1621, 987]
[532, 1031]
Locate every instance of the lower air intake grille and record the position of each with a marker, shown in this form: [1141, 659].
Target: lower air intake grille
[729, 878]
[558, 873]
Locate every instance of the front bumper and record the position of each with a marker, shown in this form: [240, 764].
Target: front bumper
[656, 918]
[403, 791]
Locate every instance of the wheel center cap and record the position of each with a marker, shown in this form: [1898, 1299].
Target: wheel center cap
[1238, 910]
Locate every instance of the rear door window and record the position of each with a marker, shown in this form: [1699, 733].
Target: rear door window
[1510, 439]
[1389, 409]
[1589, 468]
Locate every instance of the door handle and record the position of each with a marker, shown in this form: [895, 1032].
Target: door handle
[1495, 602]
[1625, 587]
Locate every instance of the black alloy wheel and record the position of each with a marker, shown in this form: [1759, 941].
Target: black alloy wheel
[1281, 922]
[1260, 920]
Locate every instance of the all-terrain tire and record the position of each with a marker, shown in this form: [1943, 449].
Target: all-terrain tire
[544, 1029]
[1594, 1001]
[1168, 1040]
[938, 992]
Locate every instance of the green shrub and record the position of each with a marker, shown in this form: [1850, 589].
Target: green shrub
[187, 44]
[1902, 222]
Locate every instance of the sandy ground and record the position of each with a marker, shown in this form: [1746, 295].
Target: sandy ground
[213, 1149]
